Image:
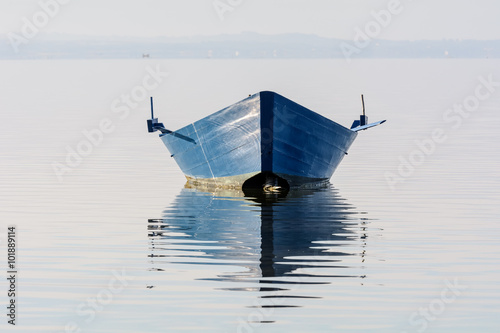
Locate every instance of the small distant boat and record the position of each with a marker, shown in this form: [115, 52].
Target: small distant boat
[264, 141]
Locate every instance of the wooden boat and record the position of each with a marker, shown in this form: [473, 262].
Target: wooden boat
[263, 141]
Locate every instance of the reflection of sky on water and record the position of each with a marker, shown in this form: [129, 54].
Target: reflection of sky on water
[303, 237]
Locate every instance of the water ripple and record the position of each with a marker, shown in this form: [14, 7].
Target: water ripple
[274, 244]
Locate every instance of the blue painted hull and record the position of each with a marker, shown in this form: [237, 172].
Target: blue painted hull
[264, 134]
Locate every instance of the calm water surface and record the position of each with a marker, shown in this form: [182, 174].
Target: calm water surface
[405, 239]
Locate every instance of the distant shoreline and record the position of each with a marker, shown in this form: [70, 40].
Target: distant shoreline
[243, 46]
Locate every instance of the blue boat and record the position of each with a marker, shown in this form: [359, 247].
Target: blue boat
[263, 141]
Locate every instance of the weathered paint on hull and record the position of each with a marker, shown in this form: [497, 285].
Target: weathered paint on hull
[264, 133]
[236, 182]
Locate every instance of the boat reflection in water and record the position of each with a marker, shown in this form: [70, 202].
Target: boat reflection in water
[299, 237]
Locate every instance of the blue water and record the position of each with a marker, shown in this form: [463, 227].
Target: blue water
[405, 239]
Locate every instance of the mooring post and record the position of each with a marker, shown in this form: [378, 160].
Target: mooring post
[151, 99]
[362, 102]
[363, 120]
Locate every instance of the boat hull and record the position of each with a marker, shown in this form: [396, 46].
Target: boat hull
[263, 137]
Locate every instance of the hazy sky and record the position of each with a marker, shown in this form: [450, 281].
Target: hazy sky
[413, 19]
